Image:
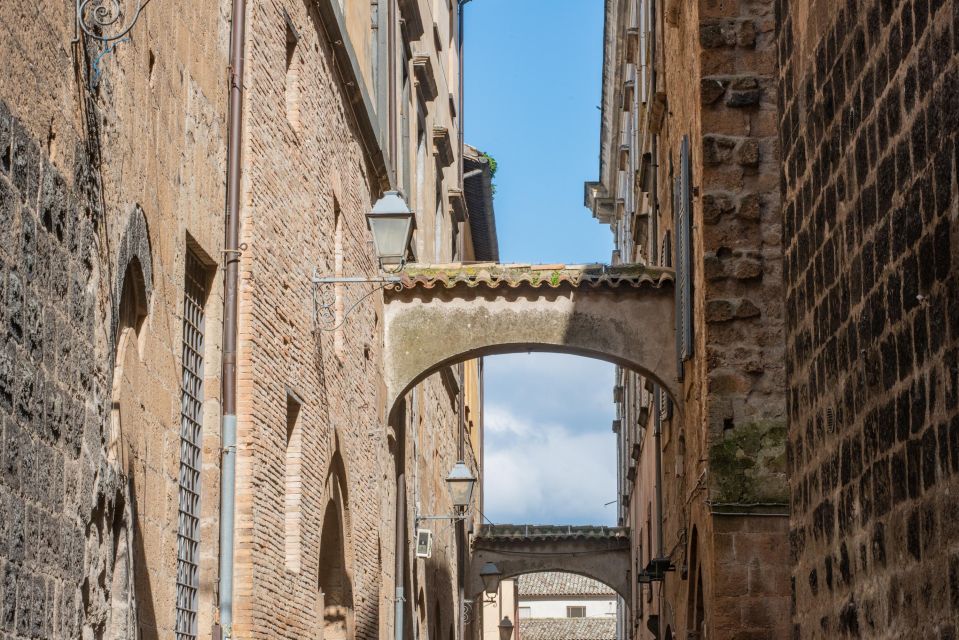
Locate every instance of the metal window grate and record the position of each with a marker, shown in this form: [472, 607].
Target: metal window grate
[191, 404]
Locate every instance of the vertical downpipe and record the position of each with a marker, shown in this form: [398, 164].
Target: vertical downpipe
[657, 434]
[400, 568]
[230, 292]
[461, 523]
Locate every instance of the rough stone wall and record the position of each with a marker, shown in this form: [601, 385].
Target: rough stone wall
[870, 93]
[726, 451]
[51, 448]
[308, 185]
[89, 544]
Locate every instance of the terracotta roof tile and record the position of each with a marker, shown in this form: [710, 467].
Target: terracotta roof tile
[531, 532]
[567, 628]
[558, 583]
[493, 275]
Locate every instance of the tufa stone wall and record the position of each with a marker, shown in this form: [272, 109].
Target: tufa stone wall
[869, 97]
[97, 209]
[54, 488]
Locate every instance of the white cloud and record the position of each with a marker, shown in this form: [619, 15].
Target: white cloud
[550, 475]
[550, 452]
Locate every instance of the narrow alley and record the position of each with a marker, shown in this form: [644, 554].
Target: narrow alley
[492, 320]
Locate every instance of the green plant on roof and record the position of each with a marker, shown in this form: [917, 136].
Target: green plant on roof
[492, 170]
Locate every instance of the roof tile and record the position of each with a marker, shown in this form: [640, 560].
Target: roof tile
[558, 583]
[567, 628]
[493, 275]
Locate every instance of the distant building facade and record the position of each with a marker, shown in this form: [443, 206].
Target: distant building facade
[565, 606]
[689, 179]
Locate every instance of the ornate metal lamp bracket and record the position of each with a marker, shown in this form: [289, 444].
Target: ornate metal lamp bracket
[106, 20]
[325, 316]
[467, 611]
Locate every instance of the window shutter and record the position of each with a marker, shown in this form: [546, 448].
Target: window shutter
[682, 208]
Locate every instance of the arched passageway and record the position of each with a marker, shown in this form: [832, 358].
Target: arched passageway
[600, 553]
[442, 316]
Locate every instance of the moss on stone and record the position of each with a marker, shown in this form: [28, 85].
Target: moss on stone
[748, 464]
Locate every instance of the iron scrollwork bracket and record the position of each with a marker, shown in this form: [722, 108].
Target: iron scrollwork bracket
[106, 20]
[326, 306]
[467, 611]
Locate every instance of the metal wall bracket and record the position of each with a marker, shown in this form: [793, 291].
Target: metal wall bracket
[106, 20]
[325, 316]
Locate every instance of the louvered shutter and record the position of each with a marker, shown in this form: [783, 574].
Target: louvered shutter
[666, 260]
[682, 208]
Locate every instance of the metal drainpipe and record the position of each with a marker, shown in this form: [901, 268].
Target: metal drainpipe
[461, 240]
[654, 150]
[231, 258]
[399, 621]
[461, 524]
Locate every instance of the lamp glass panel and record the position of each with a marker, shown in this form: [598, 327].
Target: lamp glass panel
[461, 491]
[390, 234]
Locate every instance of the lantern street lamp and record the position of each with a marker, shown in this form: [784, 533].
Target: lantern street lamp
[490, 574]
[391, 224]
[505, 628]
[461, 482]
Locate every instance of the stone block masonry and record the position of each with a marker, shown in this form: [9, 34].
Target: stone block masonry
[869, 95]
[47, 324]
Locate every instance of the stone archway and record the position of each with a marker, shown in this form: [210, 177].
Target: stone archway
[439, 316]
[600, 553]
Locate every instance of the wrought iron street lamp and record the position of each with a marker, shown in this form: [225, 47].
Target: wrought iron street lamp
[505, 628]
[490, 575]
[461, 482]
[391, 223]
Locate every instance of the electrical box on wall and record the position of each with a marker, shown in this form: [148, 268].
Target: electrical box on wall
[424, 543]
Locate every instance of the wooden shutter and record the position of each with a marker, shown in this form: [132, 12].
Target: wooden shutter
[682, 208]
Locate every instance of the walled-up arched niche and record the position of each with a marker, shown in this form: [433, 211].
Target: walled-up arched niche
[334, 603]
[696, 610]
[131, 313]
[130, 598]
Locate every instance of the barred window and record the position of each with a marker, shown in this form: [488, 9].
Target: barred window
[191, 405]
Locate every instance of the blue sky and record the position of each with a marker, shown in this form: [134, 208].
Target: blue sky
[533, 82]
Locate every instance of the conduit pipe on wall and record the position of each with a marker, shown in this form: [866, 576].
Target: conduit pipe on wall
[231, 252]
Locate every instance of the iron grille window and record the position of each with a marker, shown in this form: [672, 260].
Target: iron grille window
[682, 211]
[191, 405]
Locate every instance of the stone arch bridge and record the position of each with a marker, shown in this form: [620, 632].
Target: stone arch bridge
[440, 315]
[601, 553]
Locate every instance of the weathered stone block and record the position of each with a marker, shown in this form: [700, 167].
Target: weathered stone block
[748, 153]
[717, 149]
[750, 207]
[711, 89]
[25, 163]
[715, 205]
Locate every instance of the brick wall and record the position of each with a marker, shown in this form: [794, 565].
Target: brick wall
[869, 97]
[307, 190]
